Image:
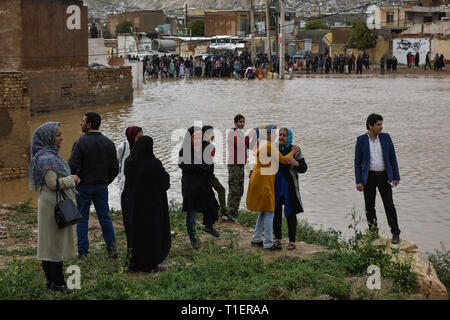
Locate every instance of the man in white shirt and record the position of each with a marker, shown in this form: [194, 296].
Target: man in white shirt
[376, 166]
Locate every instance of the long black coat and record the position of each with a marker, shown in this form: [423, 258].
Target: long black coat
[196, 188]
[145, 207]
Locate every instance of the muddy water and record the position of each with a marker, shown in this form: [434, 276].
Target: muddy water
[326, 115]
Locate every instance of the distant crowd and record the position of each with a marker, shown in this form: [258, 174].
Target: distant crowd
[232, 64]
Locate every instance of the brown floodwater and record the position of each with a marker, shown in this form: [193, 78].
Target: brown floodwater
[326, 115]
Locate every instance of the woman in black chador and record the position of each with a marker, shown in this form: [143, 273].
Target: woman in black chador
[145, 208]
[196, 187]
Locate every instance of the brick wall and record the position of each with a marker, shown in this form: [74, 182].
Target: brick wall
[110, 85]
[70, 87]
[15, 125]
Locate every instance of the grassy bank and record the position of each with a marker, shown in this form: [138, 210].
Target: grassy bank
[324, 266]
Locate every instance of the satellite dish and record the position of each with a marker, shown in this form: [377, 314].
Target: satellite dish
[370, 16]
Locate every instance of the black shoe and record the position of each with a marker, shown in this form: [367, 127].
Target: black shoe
[395, 239]
[258, 244]
[194, 244]
[211, 231]
[82, 256]
[58, 287]
[113, 254]
[233, 214]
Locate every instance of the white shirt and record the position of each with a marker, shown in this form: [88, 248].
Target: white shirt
[376, 155]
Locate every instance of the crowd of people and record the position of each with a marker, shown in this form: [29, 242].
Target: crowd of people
[231, 64]
[273, 190]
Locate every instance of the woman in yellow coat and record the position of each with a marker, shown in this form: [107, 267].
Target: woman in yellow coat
[261, 187]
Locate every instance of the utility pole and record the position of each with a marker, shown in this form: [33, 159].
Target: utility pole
[186, 16]
[252, 30]
[268, 30]
[281, 51]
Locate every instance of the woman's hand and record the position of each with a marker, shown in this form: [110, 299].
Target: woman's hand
[293, 162]
[76, 179]
[295, 149]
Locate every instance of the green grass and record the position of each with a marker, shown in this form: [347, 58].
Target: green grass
[215, 271]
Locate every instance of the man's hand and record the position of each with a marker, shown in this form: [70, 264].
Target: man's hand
[360, 187]
[395, 183]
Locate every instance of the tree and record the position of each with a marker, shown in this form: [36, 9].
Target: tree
[316, 24]
[124, 27]
[361, 37]
[198, 28]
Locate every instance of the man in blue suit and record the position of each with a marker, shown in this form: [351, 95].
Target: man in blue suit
[376, 166]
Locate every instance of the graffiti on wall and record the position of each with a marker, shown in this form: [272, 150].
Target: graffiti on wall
[401, 47]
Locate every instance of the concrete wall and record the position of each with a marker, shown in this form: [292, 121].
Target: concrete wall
[428, 28]
[98, 52]
[441, 45]
[15, 125]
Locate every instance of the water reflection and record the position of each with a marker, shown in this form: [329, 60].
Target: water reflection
[326, 115]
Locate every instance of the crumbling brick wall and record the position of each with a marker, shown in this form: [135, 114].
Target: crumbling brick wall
[110, 85]
[14, 125]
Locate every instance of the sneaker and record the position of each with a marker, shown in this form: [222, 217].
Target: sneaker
[274, 247]
[194, 244]
[258, 244]
[395, 239]
[211, 231]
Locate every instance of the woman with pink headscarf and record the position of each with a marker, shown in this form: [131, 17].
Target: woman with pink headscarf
[124, 150]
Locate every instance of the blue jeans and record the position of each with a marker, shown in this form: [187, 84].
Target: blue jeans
[190, 223]
[99, 195]
[265, 220]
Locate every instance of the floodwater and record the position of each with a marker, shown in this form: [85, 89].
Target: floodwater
[326, 115]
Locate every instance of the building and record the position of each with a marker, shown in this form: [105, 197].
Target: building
[232, 23]
[146, 21]
[399, 18]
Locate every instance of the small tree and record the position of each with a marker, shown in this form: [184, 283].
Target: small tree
[198, 28]
[124, 27]
[316, 24]
[360, 37]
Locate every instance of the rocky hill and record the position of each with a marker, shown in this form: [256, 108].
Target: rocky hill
[100, 8]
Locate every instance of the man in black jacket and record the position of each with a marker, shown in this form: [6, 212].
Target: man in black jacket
[94, 158]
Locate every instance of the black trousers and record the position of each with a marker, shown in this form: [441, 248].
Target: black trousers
[291, 221]
[380, 180]
[54, 272]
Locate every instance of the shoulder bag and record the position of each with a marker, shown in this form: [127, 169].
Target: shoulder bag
[66, 212]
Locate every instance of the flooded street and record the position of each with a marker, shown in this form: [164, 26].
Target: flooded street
[326, 115]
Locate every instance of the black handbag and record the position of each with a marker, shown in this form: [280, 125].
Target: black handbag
[66, 212]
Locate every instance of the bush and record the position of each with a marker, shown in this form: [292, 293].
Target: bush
[197, 27]
[441, 263]
[124, 27]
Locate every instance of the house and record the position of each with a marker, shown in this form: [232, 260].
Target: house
[401, 17]
[143, 21]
